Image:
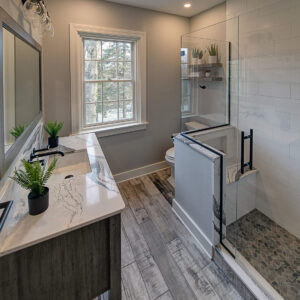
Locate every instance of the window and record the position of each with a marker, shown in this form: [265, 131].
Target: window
[109, 80]
[186, 105]
[108, 76]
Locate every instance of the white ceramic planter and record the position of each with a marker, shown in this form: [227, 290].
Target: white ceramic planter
[194, 61]
[212, 59]
[200, 61]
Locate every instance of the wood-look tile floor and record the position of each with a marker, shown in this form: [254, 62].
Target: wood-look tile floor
[160, 258]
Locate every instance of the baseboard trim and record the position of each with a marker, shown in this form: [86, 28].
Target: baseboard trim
[193, 228]
[140, 171]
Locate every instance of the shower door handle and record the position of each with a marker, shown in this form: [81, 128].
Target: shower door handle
[250, 163]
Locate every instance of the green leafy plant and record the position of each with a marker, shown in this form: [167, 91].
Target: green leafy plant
[200, 54]
[33, 177]
[17, 131]
[195, 52]
[213, 50]
[53, 128]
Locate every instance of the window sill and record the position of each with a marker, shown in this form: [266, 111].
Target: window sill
[116, 129]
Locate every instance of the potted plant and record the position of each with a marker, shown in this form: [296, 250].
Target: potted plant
[195, 56]
[34, 178]
[200, 56]
[17, 131]
[213, 54]
[53, 128]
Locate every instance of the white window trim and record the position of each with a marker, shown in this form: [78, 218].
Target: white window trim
[77, 32]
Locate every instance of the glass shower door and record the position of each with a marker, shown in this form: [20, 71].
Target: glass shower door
[266, 232]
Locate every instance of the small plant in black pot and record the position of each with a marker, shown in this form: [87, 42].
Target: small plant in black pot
[34, 178]
[53, 128]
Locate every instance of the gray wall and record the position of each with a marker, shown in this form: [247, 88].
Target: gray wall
[209, 17]
[132, 150]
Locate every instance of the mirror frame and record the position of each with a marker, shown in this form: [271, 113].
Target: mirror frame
[6, 159]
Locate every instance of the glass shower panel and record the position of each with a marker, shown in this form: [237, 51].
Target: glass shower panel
[266, 234]
[210, 94]
[205, 79]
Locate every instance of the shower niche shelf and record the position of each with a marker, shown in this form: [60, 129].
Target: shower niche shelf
[202, 78]
[210, 78]
[198, 72]
[207, 66]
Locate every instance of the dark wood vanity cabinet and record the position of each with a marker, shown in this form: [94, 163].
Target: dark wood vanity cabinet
[81, 264]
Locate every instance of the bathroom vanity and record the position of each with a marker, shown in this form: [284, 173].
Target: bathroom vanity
[72, 250]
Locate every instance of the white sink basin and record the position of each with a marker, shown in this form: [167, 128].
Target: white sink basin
[75, 163]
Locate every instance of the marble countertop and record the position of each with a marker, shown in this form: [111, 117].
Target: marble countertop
[73, 203]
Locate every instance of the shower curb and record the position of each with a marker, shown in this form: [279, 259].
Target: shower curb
[236, 281]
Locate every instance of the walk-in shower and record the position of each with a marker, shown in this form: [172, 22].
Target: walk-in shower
[237, 166]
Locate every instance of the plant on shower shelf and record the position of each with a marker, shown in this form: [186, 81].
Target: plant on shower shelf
[53, 128]
[213, 54]
[17, 131]
[34, 178]
[200, 56]
[195, 56]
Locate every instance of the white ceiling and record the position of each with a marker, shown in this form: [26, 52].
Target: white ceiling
[172, 6]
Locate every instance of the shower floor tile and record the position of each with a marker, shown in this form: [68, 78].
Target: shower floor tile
[270, 249]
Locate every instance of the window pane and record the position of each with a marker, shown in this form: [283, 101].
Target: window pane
[185, 88]
[93, 92]
[109, 50]
[184, 71]
[185, 91]
[110, 91]
[125, 90]
[184, 55]
[124, 51]
[185, 105]
[126, 110]
[92, 70]
[93, 113]
[110, 111]
[92, 49]
[99, 111]
[124, 70]
[90, 113]
[109, 70]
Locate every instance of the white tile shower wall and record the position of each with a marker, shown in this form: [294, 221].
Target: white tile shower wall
[269, 101]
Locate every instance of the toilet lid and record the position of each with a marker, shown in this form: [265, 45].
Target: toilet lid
[171, 154]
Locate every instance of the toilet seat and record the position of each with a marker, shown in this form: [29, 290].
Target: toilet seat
[170, 155]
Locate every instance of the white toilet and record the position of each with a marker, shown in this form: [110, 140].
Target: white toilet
[170, 154]
[170, 158]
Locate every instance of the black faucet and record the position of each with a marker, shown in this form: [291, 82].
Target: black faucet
[33, 155]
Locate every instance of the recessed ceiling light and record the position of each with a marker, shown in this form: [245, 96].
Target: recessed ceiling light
[187, 5]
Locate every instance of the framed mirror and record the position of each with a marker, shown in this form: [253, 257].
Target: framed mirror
[20, 88]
